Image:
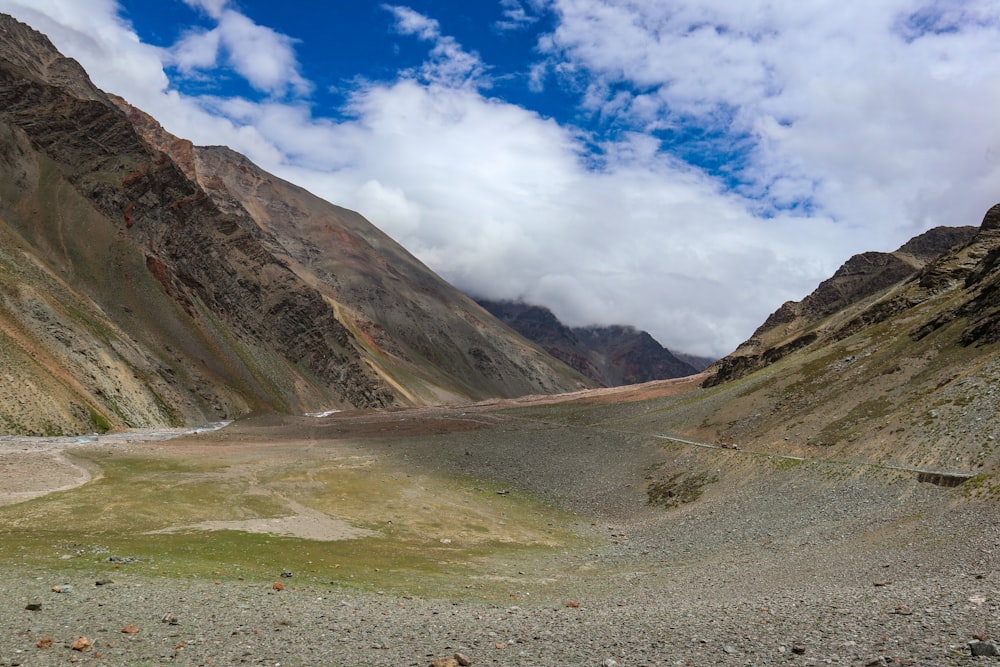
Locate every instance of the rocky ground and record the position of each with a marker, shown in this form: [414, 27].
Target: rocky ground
[821, 602]
[775, 564]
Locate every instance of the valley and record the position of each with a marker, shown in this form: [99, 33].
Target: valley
[826, 494]
[543, 529]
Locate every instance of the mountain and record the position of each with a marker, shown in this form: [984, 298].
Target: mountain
[611, 356]
[833, 308]
[893, 361]
[145, 281]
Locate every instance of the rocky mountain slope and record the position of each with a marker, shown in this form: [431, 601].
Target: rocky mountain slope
[893, 361]
[612, 356]
[145, 281]
[861, 282]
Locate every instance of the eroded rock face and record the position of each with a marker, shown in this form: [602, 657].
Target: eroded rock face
[860, 294]
[205, 285]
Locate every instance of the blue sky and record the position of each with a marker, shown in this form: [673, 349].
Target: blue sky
[683, 166]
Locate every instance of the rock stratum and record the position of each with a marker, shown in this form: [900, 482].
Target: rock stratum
[145, 281]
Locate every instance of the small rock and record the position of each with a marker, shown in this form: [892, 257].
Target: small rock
[798, 649]
[64, 588]
[463, 660]
[286, 574]
[983, 649]
[169, 619]
[573, 605]
[83, 645]
[44, 642]
[123, 559]
[444, 662]
[130, 629]
[103, 582]
[609, 662]
[731, 650]
[278, 586]
[33, 606]
[877, 662]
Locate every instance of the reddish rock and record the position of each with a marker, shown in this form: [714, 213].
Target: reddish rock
[82, 644]
[44, 642]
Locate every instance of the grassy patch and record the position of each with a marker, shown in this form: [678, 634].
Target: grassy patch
[783, 463]
[985, 486]
[856, 421]
[101, 424]
[434, 536]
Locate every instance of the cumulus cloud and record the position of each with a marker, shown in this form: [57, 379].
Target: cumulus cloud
[448, 63]
[853, 108]
[265, 58]
[851, 126]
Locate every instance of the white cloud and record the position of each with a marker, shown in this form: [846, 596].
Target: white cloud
[881, 116]
[448, 64]
[265, 58]
[410, 22]
[863, 109]
[515, 16]
[211, 7]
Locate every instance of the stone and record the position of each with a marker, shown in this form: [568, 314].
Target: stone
[463, 659]
[33, 606]
[83, 645]
[130, 629]
[798, 649]
[278, 586]
[63, 588]
[981, 649]
[44, 642]
[169, 619]
[609, 662]
[444, 662]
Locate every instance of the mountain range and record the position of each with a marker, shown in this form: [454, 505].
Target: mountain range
[611, 356]
[145, 281]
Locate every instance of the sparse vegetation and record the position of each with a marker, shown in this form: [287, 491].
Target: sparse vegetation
[683, 487]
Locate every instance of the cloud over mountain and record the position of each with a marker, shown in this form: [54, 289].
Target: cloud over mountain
[711, 161]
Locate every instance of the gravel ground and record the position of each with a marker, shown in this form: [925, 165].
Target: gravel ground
[905, 576]
[811, 565]
[925, 622]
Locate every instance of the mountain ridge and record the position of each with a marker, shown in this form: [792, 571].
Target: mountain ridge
[613, 356]
[185, 300]
[861, 279]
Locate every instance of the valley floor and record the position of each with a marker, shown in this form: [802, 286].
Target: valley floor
[513, 534]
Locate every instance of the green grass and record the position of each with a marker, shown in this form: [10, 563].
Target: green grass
[434, 536]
